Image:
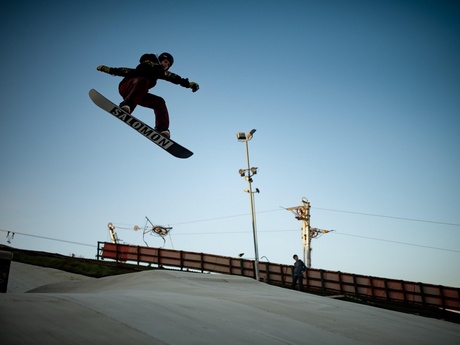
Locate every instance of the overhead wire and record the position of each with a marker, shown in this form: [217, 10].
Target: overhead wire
[399, 242]
[324, 209]
[391, 217]
[49, 238]
[268, 211]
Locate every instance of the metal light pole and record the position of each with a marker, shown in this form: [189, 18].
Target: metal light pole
[247, 174]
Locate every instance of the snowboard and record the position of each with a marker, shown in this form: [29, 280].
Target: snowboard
[142, 128]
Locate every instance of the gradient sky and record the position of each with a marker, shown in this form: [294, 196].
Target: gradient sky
[356, 106]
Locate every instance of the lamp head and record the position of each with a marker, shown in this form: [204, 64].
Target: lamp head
[241, 136]
[249, 135]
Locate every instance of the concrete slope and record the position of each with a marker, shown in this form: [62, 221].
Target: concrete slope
[171, 307]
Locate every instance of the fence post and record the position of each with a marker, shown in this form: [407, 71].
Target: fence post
[202, 262]
[181, 260]
[5, 262]
[422, 293]
[340, 282]
[387, 290]
[323, 282]
[355, 283]
[98, 255]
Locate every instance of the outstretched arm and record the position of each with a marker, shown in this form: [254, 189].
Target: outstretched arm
[117, 71]
[184, 82]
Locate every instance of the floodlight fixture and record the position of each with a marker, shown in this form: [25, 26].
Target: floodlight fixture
[245, 137]
[241, 136]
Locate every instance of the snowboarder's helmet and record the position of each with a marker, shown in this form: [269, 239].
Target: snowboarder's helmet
[149, 57]
[166, 56]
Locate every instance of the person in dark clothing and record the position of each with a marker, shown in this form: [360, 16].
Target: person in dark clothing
[138, 81]
[299, 268]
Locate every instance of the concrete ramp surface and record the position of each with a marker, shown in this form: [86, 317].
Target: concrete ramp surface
[172, 307]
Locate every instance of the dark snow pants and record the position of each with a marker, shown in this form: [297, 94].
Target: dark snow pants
[135, 92]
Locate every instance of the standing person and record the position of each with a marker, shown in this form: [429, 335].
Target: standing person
[299, 268]
[138, 81]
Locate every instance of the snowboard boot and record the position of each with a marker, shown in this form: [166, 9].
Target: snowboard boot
[125, 107]
[164, 133]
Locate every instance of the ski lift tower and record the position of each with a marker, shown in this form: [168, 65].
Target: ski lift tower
[302, 213]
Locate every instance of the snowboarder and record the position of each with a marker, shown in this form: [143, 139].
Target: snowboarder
[137, 81]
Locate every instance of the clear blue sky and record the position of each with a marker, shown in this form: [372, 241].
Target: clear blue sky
[356, 106]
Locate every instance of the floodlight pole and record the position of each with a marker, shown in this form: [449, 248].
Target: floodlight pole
[248, 173]
[253, 214]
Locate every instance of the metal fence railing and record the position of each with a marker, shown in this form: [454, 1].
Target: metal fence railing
[317, 280]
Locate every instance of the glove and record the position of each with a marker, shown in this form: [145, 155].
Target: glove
[194, 86]
[103, 68]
